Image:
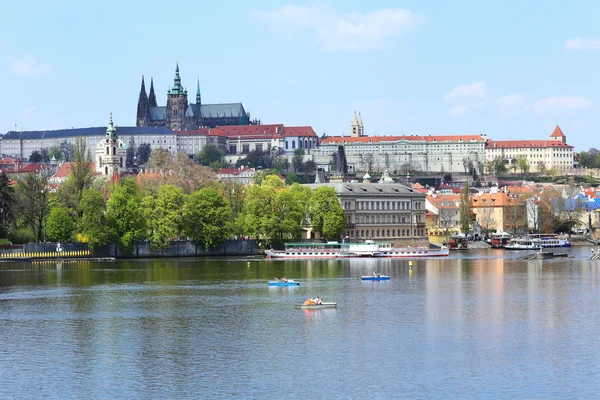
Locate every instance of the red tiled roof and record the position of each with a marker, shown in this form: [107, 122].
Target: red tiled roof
[33, 167]
[299, 131]
[416, 138]
[65, 170]
[557, 132]
[516, 144]
[252, 130]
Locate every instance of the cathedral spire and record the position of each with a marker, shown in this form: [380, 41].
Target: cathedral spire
[177, 88]
[143, 111]
[198, 97]
[152, 96]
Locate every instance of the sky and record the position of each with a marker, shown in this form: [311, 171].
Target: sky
[509, 69]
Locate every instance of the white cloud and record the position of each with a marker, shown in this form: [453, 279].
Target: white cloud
[338, 31]
[510, 103]
[458, 109]
[27, 65]
[474, 90]
[561, 103]
[582, 44]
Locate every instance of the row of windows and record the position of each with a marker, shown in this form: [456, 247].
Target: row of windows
[382, 205]
[385, 219]
[383, 233]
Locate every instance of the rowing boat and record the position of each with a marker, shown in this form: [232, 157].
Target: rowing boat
[316, 306]
[289, 282]
[375, 278]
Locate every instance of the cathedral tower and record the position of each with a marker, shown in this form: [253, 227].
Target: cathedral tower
[143, 108]
[177, 103]
[152, 96]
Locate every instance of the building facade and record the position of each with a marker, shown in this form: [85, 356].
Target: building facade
[110, 153]
[541, 155]
[179, 114]
[406, 153]
[383, 212]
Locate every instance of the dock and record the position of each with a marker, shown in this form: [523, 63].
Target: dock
[543, 255]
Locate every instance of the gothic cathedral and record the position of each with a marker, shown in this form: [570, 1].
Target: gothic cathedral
[178, 114]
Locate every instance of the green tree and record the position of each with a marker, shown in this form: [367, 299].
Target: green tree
[130, 153]
[210, 154]
[326, 213]
[124, 214]
[59, 227]
[80, 178]
[35, 157]
[258, 210]
[143, 153]
[33, 202]
[290, 212]
[93, 223]
[297, 160]
[466, 216]
[291, 177]
[234, 194]
[207, 218]
[55, 153]
[163, 216]
[7, 202]
[280, 164]
[67, 150]
[522, 163]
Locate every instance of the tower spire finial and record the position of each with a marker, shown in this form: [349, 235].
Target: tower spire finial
[198, 97]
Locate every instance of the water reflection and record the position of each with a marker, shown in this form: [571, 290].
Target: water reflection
[486, 327]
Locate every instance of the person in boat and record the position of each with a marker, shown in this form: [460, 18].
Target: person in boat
[377, 274]
[284, 279]
[318, 300]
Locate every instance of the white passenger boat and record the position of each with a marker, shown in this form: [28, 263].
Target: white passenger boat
[351, 250]
[523, 244]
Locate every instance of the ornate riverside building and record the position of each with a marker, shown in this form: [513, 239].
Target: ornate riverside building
[179, 114]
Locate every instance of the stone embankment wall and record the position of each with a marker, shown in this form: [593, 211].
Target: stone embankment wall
[142, 250]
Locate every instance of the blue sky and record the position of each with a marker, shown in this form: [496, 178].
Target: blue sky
[509, 69]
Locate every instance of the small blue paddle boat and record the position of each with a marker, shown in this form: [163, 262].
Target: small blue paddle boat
[287, 282]
[375, 277]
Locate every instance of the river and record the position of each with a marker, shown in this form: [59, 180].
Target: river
[480, 324]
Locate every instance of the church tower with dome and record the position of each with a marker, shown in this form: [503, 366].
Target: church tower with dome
[110, 153]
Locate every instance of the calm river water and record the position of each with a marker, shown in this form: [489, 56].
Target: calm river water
[476, 325]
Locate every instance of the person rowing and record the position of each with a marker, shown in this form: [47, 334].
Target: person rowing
[377, 274]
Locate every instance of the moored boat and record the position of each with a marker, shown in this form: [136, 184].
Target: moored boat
[458, 241]
[316, 306]
[413, 252]
[287, 282]
[378, 277]
[353, 250]
[499, 240]
[523, 244]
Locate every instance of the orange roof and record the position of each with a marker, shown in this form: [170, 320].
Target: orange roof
[515, 144]
[499, 199]
[65, 170]
[414, 138]
[299, 131]
[557, 132]
[250, 130]
[444, 200]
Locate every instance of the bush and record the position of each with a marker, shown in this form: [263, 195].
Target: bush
[21, 236]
